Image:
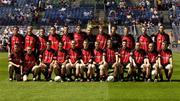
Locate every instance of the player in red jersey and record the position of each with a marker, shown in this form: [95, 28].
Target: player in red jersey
[102, 38]
[100, 62]
[160, 37]
[166, 61]
[42, 39]
[91, 38]
[46, 61]
[74, 61]
[54, 38]
[60, 62]
[116, 39]
[30, 65]
[66, 38]
[15, 63]
[16, 38]
[31, 40]
[79, 37]
[152, 62]
[124, 62]
[87, 62]
[144, 39]
[129, 38]
[139, 57]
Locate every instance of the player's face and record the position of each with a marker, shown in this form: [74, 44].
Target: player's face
[29, 50]
[126, 31]
[29, 29]
[60, 46]
[124, 44]
[161, 29]
[151, 47]
[85, 45]
[52, 30]
[48, 45]
[143, 30]
[113, 30]
[109, 44]
[15, 31]
[164, 46]
[65, 30]
[78, 29]
[137, 46]
[73, 44]
[88, 31]
[100, 30]
[16, 48]
[42, 32]
[96, 45]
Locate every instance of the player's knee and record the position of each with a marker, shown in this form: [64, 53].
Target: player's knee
[169, 67]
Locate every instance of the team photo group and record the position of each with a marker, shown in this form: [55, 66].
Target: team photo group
[85, 57]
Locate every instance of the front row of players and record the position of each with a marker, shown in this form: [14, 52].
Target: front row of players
[90, 65]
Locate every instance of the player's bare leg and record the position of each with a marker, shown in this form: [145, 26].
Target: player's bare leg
[11, 71]
[35, 71]
[63, 71]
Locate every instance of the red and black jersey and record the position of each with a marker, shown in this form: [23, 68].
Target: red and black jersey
[86, 55]
[98, 55]
[102, 39]
[91, 38]
[31, 41]
[144, 41]
[116, 40]
[124, 55]
[43, 40]
[29, 60]
[110, 55]
[61, 56]
[139, 56]
[66, 39]
[17, 58]
[160, 38]
[19, 39]
[54, 39]
[152, 56]
[79, 39]
[165, 55]
[130, 41]
[47, 56]
[74, 55]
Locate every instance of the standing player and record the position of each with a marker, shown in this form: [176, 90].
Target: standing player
[129, 38]
[42, 39]
[144, 39]
[100, 62]
[152, 62]
[79, 37]
[54, 38]
[16, 38]
[60, 62]
[86, 61]
[74, 61]
[15, 63]
[90, 37]
[30, 65]
[46, 61]
[66, 38]
[165, 61]
[124, 62]
[139, 57]
[160, 37]
[102, 38]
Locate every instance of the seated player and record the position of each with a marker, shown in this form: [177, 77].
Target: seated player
[152, 62]
[165, 61]
[15, 63]
[60, 62]
[111, 57]
[139, 57]
[87, 62]
[74, 58]
[124, 62]
[30, 65]
[46, 61]
[99, 62]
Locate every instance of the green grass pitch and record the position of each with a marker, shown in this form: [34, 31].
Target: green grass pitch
[96, 91]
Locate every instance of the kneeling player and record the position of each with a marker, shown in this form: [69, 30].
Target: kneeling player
[30, 65]
[124, 61]
[15, 64]
[152, 62]
[139, 57]
[99, 62]
[60, 62]
[46, 61]
[165, 61]
[86, 61]
[74, 56]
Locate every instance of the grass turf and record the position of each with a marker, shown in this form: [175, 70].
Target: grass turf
[95, 91]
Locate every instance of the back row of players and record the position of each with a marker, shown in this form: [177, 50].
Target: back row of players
[80, 52]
